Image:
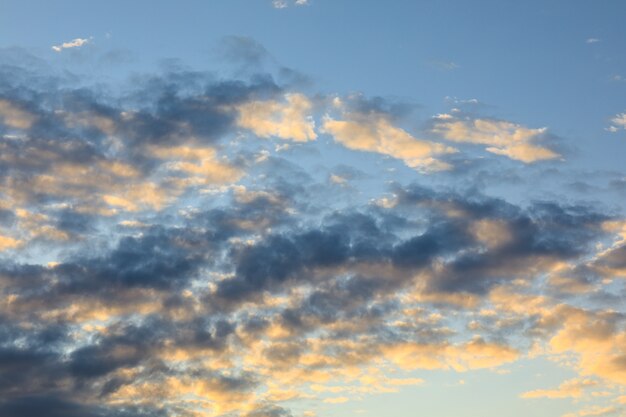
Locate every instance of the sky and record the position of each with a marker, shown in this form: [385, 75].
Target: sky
[312, 208]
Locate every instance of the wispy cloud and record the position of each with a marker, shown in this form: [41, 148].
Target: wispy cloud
[282, 4]
[279, 4]
[444, 65]
[573, 388]
[592, 40]
[76, 43]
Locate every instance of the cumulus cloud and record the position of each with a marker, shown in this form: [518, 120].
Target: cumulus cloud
[373, 131]
[500, 137]
[290, 119]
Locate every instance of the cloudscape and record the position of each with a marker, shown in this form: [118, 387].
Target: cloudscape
[312, 208]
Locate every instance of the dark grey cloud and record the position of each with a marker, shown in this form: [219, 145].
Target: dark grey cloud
[346, 239]
[614, 259]
[270, 411]
[59, 407]
[390, 107]
[544, 230]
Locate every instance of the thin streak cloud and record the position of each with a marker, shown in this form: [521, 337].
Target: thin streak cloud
[76, 43]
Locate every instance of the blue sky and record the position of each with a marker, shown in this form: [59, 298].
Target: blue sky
[281, 208]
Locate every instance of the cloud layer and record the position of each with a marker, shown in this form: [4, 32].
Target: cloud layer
[160, 259]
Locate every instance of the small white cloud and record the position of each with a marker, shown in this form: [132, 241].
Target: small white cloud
[462, 102]
[593, 40]
[618, 122]
[282, 4]
[76, 43]
[338, 179]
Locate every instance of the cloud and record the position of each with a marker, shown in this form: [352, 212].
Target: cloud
[573, 388]
[156, 269]
[619, 123]
[72, 151]
[282, 4]
[500, 137]
[76, 43]
[445, 65]
[592, 40]
[289, 119]
[373, 131]
[594, 410]
[620, 120]
[13, 116]
[475, 354]
[598, 339]
[58, 407]
[277, 293]
[156, 261]
[244, 51]
[7, 242]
